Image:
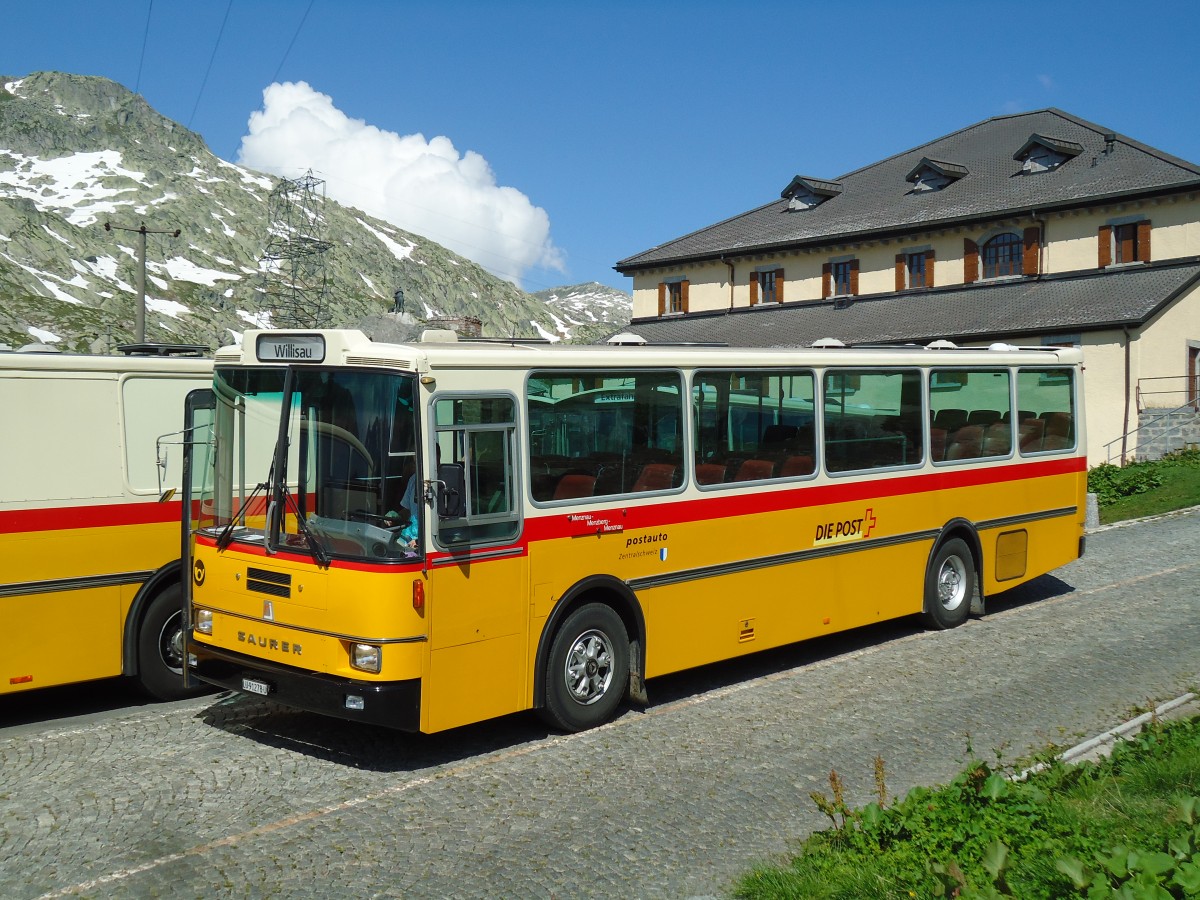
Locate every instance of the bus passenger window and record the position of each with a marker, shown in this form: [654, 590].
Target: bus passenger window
[970, 415]
[753, 425]
[1051, 393]
[596, 435]
[873, 419]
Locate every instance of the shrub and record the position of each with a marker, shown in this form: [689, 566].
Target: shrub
[1110, 483]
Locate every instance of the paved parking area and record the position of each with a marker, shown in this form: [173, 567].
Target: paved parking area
[229, 796]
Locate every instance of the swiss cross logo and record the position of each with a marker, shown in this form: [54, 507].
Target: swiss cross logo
[868, 522]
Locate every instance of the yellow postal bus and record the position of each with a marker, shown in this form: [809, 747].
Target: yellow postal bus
[432, 534]
[89, 557]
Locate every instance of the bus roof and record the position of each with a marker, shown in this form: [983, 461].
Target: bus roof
[352, 347]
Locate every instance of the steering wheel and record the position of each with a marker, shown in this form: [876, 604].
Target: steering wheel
[348, 438]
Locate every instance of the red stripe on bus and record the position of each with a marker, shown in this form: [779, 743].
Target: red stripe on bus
[676, 510]
[726, 504]
[66, 518]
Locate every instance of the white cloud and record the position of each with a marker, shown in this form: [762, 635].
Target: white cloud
[423, 186]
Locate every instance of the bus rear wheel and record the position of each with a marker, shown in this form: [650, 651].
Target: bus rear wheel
[161, 648]
[949, 585]
[587, 670]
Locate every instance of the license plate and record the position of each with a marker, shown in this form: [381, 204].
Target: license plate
[254, 686]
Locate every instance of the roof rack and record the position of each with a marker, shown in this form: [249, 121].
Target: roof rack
[163, 349]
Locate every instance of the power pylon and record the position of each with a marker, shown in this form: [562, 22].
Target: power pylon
[293, 263]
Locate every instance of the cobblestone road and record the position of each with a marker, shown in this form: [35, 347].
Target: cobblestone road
[226, 796]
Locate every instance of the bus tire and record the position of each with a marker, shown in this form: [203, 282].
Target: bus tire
[949, 585]
[587, 669]
[161, 648]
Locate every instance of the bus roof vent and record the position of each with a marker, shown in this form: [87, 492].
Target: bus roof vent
[163, 349]
[941, 345]
[626, 338]
[439, 336]
[1002, 346]
[38, 348]
[826, 343]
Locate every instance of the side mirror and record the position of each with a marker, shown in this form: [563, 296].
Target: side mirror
[451, 495]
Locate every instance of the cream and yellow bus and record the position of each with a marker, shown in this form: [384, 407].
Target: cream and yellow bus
[89, 556]
[432, 534]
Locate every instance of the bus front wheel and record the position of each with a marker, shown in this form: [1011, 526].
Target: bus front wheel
[587, 670]
[161, 648]
[949, 585]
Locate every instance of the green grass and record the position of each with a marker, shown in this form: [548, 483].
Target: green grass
[1147, 488]
[1126, 826]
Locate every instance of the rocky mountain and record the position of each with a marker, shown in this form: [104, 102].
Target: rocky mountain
[77, 152]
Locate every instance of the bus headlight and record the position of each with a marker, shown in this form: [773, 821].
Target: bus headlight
[367, 657]
[204, 621]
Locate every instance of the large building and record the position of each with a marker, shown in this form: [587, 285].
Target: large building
[1032, 229]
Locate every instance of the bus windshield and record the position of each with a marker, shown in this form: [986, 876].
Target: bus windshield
[319, 461]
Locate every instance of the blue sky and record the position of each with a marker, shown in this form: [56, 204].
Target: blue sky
[548, 140]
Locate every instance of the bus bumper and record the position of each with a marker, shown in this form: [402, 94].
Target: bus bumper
[395, 704]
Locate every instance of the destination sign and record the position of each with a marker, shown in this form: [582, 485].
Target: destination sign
[291, 348]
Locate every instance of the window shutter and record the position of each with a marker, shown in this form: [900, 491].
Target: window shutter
[683, 295]
[827, 280]
[1143, 241]
[662, 298]
[928, 268]
[854, 277]
[779, 285]
[753, 288]
[1031, 251]
[1105, 246]
[970, 261]
[899, 271]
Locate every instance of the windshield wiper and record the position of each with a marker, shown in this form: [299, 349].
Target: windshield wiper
[225, 538]
[314, 543]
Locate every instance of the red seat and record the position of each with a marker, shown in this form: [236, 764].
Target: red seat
[710, 473]
[797, 465]
[574, 485]
[755, 470]
[655, 477]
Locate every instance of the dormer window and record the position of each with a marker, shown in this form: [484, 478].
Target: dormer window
[1044, 154]
[933, 175]
[806, 193]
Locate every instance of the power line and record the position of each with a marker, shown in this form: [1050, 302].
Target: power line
[228, 7]
[279, 68]
[145, 37]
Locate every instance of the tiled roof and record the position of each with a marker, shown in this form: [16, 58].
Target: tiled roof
[878, 198]
[1052, 304]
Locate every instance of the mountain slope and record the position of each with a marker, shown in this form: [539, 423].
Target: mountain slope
[77, 152]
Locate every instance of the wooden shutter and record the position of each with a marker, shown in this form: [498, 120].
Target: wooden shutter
[854, 277]
[779, 285]
[683, 295]
[1031, 251]
[1105, 246]
[928, 268]
[970, 261]
[827, 280]
[900, 272]
[1143, 241]
[753, 288]
[662, 298]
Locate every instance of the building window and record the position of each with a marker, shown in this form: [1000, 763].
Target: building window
[1126, 242]
[916, 270]
[841, 278]
[766, 286]
[1002, 256]
[673, 296]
